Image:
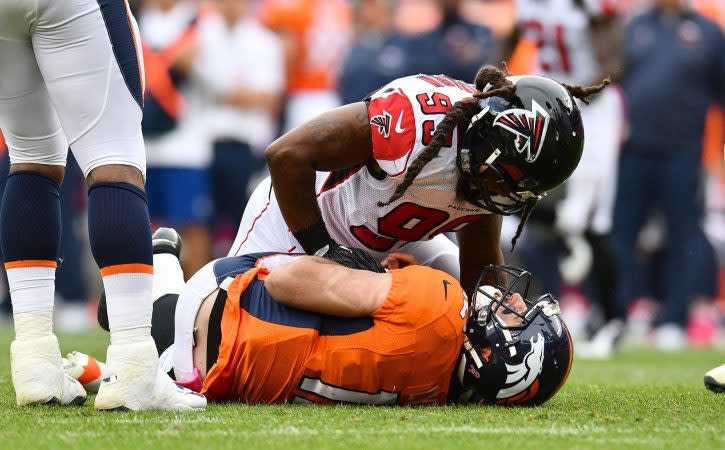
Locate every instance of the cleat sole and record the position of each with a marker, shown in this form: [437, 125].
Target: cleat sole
[78, 401]
[116, 409]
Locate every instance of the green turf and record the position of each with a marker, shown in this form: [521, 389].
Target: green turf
[637, 400]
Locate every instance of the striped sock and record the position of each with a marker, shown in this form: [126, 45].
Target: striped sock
[120, 235]
[30, 230]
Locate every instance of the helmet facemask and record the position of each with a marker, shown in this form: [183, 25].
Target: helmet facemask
[484, 180]
[514, 347]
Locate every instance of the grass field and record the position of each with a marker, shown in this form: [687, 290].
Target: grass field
[637, 400]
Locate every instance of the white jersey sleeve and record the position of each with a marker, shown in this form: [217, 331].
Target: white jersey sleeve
[404, 115]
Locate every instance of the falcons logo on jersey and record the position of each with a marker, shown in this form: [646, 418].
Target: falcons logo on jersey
[521, 376]
[382, 121]
[529, 128]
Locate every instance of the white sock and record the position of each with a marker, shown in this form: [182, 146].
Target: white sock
[168, 276]
[31, 291]
[33, 324]
[129, 305]
[130, 335]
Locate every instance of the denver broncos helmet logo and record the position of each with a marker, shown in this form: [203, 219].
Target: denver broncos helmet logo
[529, 127]
[521, 376]
[382, 121]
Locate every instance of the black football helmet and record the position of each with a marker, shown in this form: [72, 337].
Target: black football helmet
[515, 352]
[526, 146]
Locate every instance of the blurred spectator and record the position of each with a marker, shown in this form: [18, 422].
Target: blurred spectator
[675, 68]
[316, 35]
[579, 42]
[452, 46]
[497, 15]
[177, 177]
[240, 71]
[376, 56]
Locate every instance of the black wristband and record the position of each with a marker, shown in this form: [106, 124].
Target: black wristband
[313, 237]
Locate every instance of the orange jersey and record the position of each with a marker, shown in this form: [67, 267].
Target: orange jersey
[317, 33]
[404, 354]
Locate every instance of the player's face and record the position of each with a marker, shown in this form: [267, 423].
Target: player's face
[517, 303]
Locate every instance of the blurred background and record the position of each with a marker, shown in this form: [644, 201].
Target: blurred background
[633, 244]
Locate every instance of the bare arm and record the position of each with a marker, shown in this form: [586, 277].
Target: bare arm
[479, 244]
[334, 140]
[319, 285]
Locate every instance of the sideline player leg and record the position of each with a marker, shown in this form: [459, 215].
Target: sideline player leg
[79, 48]
[30, 224]
[168, 283]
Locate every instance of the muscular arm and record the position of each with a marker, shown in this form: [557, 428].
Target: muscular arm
[479, 246]
[319, 285]
[334, 140]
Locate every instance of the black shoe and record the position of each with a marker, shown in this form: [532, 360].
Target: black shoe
[166, 240]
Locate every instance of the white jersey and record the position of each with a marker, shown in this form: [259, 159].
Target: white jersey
[403, 116]
[560, 29]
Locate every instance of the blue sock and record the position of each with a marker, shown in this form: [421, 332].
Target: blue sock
[30, 223]
[30, 229]
[120, 235]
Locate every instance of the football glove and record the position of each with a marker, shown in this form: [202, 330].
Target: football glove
[351, 257]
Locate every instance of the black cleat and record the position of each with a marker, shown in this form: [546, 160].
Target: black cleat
[166, 240]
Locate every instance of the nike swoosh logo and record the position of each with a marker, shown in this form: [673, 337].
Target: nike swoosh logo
[397, 125]
[445, 288]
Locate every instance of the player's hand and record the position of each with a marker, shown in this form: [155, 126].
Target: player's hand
[398, 260]
[351, 257]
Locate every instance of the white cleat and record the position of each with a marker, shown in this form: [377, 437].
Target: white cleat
[137, 383]
[37, 374]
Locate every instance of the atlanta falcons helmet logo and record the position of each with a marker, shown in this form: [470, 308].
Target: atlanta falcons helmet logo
[521, 376]
[382, 121]
[528, 127]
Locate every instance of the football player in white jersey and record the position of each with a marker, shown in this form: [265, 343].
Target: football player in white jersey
[423, 156]
[72, 75]
[580, 41]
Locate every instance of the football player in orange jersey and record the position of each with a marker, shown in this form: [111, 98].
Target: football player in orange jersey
[276, 328]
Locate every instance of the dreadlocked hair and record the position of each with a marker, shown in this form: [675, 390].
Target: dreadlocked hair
[490, 81]
[584, 92]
